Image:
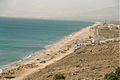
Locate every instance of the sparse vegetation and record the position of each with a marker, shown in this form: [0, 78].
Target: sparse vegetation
[117, 72]
[59, 76]
[90, 37]
[111, 76]
[92, 63]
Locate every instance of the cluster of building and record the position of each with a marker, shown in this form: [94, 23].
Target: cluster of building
[106, 26]
[93, 41]
[97, 39]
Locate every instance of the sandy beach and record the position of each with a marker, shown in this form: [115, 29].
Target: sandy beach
[46, 57]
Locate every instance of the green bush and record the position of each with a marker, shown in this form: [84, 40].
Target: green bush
[59, 76]
[111, 76]
[117, 72]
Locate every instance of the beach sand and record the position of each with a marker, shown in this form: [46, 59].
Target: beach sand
[46, 57]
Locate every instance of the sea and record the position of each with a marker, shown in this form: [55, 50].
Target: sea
[20, 38]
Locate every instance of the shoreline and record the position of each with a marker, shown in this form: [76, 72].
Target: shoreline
[51, 45]
[37, 52]
[52, 53]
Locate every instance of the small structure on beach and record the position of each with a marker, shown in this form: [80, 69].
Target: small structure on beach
[102, 41]
[117, 40]
[95, 41]
[89, 42]
[110, 40]
[118, 27]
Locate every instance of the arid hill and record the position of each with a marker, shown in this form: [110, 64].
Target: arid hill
[87, 63]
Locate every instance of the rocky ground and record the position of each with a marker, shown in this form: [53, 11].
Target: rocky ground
[87, 63]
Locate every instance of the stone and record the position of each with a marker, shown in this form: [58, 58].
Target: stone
[43, 61]
[10, 77]
[79, 79]
[37, 59]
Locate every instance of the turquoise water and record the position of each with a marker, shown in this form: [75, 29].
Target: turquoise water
[21, 37]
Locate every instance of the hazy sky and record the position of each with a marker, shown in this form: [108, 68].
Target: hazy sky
[57, 9]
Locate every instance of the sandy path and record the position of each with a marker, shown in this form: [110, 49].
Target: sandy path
[33, 70]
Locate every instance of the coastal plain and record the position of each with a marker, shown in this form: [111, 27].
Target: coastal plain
[85, 55]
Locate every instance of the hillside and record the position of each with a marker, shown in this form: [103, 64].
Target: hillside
[88, 63]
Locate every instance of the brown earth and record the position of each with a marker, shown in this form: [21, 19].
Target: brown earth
[109, 33]
[87, 63]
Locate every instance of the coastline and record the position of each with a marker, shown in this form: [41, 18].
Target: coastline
[53, 53]
[54, 44]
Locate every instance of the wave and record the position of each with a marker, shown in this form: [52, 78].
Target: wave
[48, 46]
[4, 67]
[1, 70]
[29, 56]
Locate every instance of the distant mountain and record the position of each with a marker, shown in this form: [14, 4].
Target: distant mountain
[105, 14]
